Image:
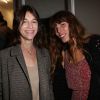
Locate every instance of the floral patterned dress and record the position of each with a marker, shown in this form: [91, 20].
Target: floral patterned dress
[78, 78]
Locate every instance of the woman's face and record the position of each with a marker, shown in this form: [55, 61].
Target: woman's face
[62, 31]
[28, 27]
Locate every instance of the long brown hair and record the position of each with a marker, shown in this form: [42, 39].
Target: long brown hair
[55, 52]
[76, 29]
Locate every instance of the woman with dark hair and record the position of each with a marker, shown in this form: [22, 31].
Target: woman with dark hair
[25, 66]
[81, 69]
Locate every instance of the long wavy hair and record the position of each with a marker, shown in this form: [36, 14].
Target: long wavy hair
[19, 17]
[76, 30]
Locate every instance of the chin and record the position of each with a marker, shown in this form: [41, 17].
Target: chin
[64, 41]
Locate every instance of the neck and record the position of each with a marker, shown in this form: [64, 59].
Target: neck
[28, 49]
[27, 44]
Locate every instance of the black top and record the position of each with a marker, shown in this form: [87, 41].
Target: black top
[61, 91]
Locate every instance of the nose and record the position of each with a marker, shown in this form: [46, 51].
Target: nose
[59, 29]
[30, 25]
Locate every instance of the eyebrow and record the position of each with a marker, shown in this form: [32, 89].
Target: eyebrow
[32, 19]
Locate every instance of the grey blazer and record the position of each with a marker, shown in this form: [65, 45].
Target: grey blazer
[14, 79]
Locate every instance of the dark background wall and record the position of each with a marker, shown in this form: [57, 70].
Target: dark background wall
[47, 7]
[88, 12]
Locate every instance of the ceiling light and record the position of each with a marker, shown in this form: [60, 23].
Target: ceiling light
[5, 1]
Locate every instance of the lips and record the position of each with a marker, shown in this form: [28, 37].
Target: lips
[30, 31]
[62, 35]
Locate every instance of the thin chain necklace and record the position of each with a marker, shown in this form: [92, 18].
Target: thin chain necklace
[27, 50]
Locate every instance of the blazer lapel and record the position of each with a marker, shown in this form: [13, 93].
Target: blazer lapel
[16, 51]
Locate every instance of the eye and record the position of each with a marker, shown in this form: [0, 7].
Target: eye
[56, 29]
[63, 24]
[34, 21]
[25, 21]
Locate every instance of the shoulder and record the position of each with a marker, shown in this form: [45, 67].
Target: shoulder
[4, 55]
[93, 49]
[6, 51]
[95, 42]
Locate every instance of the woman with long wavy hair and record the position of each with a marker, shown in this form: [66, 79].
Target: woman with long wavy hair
[80, 66]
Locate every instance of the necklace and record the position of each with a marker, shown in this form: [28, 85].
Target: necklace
[29, 52]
